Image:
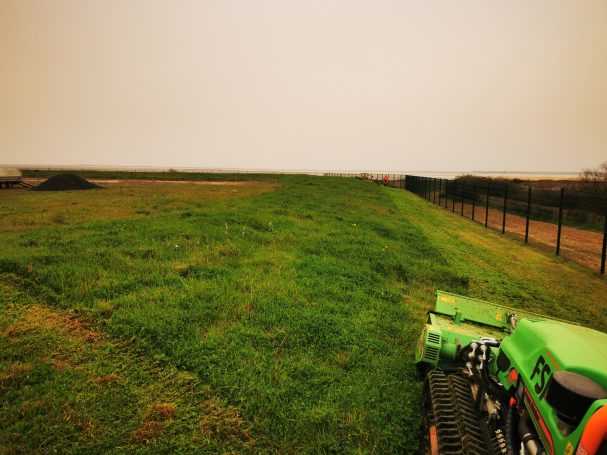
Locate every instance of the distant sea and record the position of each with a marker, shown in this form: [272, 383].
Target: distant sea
[440, 174]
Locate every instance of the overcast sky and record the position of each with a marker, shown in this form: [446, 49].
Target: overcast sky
[453, 85]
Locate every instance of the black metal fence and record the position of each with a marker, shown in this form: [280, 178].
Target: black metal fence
[573, 221]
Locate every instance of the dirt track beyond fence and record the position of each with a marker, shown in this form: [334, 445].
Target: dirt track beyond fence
[580, 245]
[580, 242]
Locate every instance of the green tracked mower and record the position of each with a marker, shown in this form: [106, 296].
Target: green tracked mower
[503, 381]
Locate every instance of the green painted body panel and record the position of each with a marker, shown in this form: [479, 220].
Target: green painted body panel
[467, 309]
[536, 346]
[537, 349]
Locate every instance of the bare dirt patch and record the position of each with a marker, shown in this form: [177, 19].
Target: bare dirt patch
[154, 423]
[147, 431]
[107, 379]
[64, 325]
[163, 411]
[35, 181]
[25, 210]
[222, 423]
[13, 373]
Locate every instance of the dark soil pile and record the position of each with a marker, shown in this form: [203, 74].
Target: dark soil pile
[65, 182]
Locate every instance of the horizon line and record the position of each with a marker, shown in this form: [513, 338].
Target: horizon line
[144, 168]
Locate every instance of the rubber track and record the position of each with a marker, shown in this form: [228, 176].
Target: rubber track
[457, 422]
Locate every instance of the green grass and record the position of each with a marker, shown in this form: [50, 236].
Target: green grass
[280, 318]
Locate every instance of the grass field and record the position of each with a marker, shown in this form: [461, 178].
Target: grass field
[277, 316]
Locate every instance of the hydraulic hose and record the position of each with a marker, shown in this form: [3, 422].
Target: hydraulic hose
[481, 387]
[509, 430]
[528, 437]
[493, 388]
[462, 352]
[479, 395]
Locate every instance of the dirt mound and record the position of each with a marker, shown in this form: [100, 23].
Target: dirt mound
[65, 182]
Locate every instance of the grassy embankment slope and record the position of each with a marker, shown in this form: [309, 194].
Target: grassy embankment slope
[280, 317]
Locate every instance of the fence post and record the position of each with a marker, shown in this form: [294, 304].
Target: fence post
[504, 214]
[528, 214]
[453, 196]
[558, 235]
[473, 198]
[434, 189]
[445, 191]
[604, 253]
[487, 204]
[463, 196]
[447, 194]
[447, 185]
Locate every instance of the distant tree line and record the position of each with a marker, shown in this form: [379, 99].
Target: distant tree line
[585, 199]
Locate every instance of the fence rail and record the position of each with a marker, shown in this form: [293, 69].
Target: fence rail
[571, 221]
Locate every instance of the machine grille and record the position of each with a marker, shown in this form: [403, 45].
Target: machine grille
[433, 338]
[431, 353]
